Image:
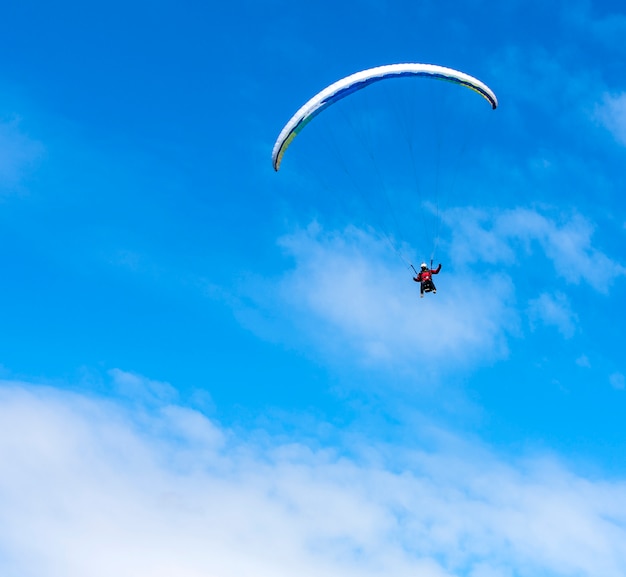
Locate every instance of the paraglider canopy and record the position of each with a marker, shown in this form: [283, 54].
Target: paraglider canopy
[360, 80]
[397, 147]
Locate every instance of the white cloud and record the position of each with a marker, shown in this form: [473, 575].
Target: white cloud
[475, 238]
[139, 387]
[348, 291]
[618, 381]
[554, 310]
[611, 114]
[506, 237]
[583, 361]
[18, 153]
[91, 487]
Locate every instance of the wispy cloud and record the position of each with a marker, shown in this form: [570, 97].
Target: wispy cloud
[617, 380]
[605, 27]
[554, 310]
[611, 114]
[510, 237]
[94, 487]
[139, 387]
[18, 154]
[583, 361]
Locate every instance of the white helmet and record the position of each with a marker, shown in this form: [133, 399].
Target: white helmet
[423, 265]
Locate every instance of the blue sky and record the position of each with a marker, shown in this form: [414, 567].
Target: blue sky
[208, 368]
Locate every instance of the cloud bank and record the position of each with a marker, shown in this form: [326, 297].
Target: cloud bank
[100, 487]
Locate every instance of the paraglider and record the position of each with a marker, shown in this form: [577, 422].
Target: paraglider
[349, 86]
[425, 278]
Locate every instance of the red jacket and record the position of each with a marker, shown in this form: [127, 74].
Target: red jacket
[426, 274]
